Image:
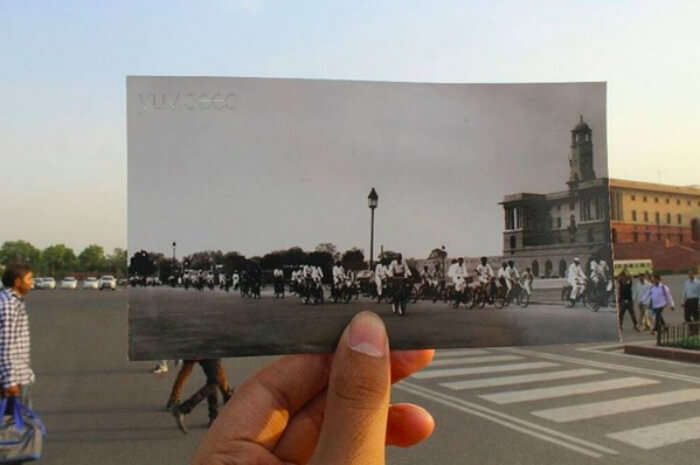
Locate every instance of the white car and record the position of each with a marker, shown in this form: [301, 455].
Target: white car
[91, 283]
[45, 283]
[69, 283]
[108, 282]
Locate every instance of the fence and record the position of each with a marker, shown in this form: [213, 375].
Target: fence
[684, 336]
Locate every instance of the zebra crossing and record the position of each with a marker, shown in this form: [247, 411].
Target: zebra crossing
[551, 397]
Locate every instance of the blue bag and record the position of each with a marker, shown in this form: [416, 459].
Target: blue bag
[21, 434]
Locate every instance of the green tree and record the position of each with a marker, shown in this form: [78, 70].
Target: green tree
[117, 262]
[58, 259]
[22, 252]
[92, 258]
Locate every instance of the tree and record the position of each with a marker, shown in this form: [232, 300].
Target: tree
[329, 248]
[142, 264]
[117, 262]
[92, 258]
[58, 259]
[205, 260]
[353, 259]
[233, 261]
[20, 252]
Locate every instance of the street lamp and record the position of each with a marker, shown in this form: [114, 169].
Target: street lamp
[174, 245]
[372, 202]
[444, 264]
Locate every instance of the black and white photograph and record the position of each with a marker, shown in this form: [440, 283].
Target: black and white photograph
[263, 214]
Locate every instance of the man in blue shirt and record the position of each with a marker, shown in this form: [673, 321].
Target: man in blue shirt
[658, 297]
[691, 291]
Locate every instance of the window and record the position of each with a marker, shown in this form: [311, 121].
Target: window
[646, 217]
[688, 202]
[668, 218]
[591, 236]
[548, 268]
[562, 268]
[644, 198]
[559, 222]
[614, 235]
[586, 210]
[634, 197]
[680, 219]
[512, 242]
[656, 200]
[536, 268]
[668, 200]
[658, 237]
[634, 215]
[678, 201]
[680, 237]
[635, 236]
[657, 217]
[647, 237]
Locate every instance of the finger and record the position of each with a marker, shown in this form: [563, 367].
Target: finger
[261, 407]
[355, 418]
[298, 441]
[238, 452]
[408, 425]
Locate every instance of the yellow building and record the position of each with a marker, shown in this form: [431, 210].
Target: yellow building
[649, 212]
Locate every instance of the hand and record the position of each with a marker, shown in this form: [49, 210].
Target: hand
[322, 408]
[12, 391]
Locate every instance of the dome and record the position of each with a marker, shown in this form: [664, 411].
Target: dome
[582, 126]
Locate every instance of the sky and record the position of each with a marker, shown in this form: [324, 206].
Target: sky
[62, 80]
[279, 163]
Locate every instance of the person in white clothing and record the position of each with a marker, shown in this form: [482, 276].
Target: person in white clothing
[380, 274]
[576, 279]
[484, 271]
[526, 279]
[503, 277]
[399, 268]
[317, 274]
[338, 274]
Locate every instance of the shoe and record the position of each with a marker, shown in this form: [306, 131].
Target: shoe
[228, 395]
[179, 419]
[160, 369]
[171, 404]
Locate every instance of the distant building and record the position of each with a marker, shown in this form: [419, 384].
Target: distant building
[546, 231]
[656, 221]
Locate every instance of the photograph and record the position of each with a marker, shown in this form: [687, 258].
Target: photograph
[264, 213]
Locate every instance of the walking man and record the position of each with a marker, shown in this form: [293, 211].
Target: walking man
[16, 374]
[216, 379]
[625, 302]
[659, 297]
[691, 292]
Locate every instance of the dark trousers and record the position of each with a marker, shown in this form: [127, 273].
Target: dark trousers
[627, 306]
[660, 322]
[208, 391]
[692, 315]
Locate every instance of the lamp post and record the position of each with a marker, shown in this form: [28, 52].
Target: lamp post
[444, 260]
[174, 245]
[372, 202]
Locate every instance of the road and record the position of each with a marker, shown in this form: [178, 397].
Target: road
[177, 323]
[101, 408]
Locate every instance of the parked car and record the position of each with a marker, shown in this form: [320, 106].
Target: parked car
[45, 283]
[108, 282]
[69, 283]
[91, 283]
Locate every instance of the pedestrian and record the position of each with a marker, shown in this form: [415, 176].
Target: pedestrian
[16, 374]
[625, 302]
[185, 372]
[212, 370]
[691, 292]
[323, 409]
[659, 297]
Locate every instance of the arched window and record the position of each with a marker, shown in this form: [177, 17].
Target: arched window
[548, 268]
[562, 268]
[512, 242]
[536, 268]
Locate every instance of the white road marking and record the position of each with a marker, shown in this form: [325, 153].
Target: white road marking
[520, 379]
[467, 360]
[459, 352]
[531, 429]
[527, 395]
[613, 407]
[446, 372]
[602, 365]
[664, 434]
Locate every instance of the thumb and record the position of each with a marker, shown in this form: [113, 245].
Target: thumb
[355, 419]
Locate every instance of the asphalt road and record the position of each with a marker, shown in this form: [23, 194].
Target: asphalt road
[178, 324]
[101, 408]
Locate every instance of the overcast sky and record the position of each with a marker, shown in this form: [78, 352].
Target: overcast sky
[290, 162]
[63, 118]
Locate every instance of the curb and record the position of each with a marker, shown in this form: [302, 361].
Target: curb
[668, 353]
